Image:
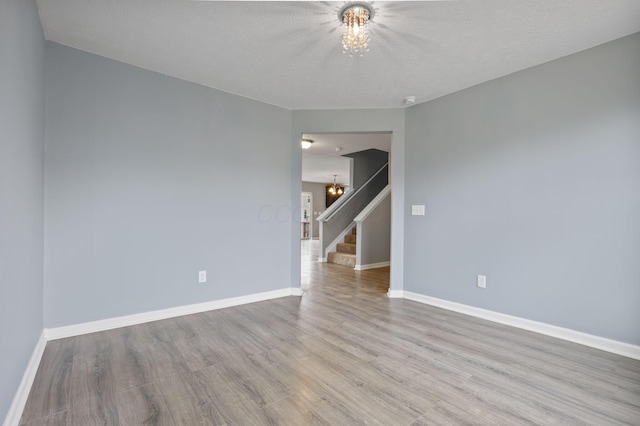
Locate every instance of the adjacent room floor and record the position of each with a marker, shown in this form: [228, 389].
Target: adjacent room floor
[342, 354]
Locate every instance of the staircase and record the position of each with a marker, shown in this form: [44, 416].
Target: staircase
[346, 254]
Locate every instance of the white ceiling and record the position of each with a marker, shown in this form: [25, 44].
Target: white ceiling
[325, 157]
[289, 53]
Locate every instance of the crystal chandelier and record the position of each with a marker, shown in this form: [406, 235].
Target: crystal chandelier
[356, 18]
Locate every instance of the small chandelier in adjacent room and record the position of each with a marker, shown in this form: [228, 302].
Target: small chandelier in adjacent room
[356, 18]
[335, 189]
[306, 143]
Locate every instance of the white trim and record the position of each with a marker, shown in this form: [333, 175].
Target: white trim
[20, 398]
[124, 321]
[362, 216]
[613, 346]
[395, 294]
[372, 266]
[322, 259]
[296, 291]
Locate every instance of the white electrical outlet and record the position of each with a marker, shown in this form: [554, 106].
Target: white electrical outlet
[202, 276]
[417, 210]
[482, 281]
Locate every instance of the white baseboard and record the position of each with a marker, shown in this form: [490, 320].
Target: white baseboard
[372, 266]
[20, 398]
[395, 294]
[322, 259]
[613, 346]
[124, 321]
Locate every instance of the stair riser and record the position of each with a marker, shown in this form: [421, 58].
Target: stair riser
[342, 259]
[350, 239]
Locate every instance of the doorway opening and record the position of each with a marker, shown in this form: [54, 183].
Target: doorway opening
[346, 208]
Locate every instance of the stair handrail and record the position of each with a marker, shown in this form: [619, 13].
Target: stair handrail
[323, 217]
[327, 214]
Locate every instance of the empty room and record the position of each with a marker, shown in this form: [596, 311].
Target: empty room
[467, 250]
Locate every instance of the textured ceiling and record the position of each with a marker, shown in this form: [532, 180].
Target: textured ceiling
[289, 53]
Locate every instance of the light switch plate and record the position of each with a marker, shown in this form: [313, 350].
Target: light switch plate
[481, 281]
[202, 276]
[417, 210]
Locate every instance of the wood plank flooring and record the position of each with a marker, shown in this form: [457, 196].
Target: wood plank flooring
[343, 354]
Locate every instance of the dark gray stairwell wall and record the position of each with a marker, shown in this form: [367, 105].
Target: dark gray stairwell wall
[365, 164]
[21, 190]
[343, 216]
[533, 180]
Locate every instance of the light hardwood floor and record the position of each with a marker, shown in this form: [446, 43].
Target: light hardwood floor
[343, 354]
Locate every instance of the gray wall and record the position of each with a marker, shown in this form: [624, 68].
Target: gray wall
[150, 179]
[533, 180]
[21, 190]
[319, 201]
[374, 235]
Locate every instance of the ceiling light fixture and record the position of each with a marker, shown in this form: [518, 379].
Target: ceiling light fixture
[335, 189]
[306, 143]
[356, 18]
